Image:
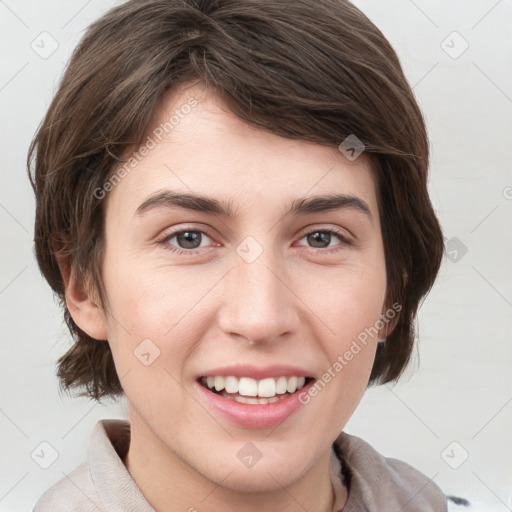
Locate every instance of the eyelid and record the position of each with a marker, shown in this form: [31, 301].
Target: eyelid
[343, 233]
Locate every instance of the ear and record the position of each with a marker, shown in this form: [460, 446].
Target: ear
[81, 303]
[389, 317]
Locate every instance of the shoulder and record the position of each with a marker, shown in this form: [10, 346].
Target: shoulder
[454, 503]
[375, 481]
[75, 491]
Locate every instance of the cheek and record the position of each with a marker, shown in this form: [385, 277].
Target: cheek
[149, 300]
[350, 353]
[351, 308]
[352, 302]
[139, 305]
[148, 341]
[156, 311]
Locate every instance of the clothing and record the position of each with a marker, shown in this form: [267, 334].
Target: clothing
[374, 483]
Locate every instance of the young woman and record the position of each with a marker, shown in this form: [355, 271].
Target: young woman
[232, 207]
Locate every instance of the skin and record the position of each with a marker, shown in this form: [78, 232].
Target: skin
[301, 304]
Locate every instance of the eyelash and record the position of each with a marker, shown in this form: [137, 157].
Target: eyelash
[168, 236]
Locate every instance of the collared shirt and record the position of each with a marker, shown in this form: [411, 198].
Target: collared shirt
[374, 483]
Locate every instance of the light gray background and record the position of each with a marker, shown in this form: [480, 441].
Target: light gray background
[459, 388]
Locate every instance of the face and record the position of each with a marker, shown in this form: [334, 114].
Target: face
[261, 283]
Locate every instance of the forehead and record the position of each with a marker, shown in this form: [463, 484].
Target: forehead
[197, 145]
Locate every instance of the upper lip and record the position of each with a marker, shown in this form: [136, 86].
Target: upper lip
[245, 370]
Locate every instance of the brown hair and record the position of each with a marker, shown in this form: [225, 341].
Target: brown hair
[312, 70]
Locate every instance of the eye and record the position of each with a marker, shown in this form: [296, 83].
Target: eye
[322, 238]
[187, 240]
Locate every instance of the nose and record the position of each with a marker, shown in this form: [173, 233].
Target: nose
[259, 303]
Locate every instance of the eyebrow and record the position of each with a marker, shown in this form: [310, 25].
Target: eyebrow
[210, 205]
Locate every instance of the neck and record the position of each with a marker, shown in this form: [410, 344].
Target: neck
[169, 483]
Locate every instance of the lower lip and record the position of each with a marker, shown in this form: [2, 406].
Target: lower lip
[253, 415]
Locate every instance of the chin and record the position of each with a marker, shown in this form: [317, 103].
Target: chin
[267, 474]
[264, 480]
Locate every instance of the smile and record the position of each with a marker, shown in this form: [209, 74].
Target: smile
[251, 391]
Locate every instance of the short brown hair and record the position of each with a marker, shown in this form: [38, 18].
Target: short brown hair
[316, 70]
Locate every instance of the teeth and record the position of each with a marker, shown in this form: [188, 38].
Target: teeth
[292, 384]
[248, 387]
[267, 388]
[255, 401]
[281, 385]
[231, 385]
[218, 383]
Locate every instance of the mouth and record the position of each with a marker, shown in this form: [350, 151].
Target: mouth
[251, 391]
